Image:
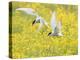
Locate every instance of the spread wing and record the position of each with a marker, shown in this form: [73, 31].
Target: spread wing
[42, 23]
[60, 25]
[28, 11]
[53, 21]
[40, 27]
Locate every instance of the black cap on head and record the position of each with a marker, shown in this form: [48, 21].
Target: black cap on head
[33, 22]
[49, 33]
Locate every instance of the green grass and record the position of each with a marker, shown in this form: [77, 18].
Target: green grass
[27, 43]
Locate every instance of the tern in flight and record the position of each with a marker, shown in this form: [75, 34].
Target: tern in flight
[56, 28]
[38, 18]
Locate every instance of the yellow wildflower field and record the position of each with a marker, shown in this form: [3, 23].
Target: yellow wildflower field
[25, 42]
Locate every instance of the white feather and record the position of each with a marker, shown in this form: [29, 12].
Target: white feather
[28, 11]
[59, 25]
[56, 27]
[42, 22]
[53, 20]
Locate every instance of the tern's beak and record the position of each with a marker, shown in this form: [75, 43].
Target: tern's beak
[33, 22]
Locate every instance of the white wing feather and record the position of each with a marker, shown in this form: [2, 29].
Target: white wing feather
[53, 20]
[60, 25]
[40, 26]
[28, 11]
[42, 23]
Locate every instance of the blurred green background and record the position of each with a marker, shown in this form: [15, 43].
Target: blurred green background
[27, 43]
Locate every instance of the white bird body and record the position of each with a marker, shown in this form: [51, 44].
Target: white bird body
[56, 28]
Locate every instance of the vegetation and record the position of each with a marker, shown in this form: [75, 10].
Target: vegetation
[27, 43]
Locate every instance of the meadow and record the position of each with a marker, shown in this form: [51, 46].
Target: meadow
[27, 43]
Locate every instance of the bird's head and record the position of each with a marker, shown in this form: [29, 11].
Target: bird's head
[33, 22]
[49, 33]
[37, 20]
